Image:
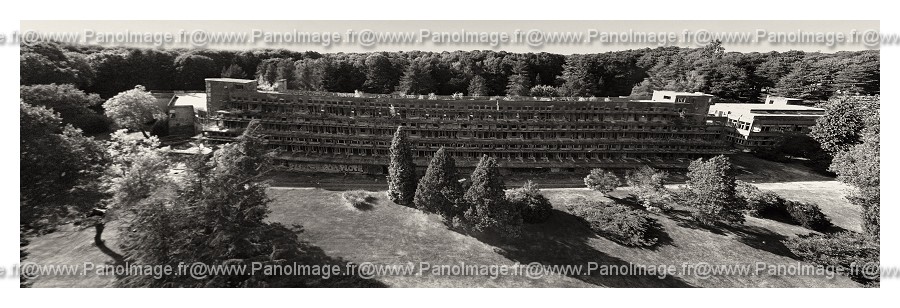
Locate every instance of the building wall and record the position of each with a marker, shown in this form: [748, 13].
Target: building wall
[217, 92]
[354, 132]
[182, 121]
[757, 129]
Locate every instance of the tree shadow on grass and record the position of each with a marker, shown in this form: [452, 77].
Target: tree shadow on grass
[761, 239]
[685, 219]
[314, 255]
[756, 237]
[832, 228]
[657, 231]
[118, 259]
[563, 240]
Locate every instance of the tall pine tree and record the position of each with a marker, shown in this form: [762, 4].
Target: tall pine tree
[439, 190]
[401, 171]
[489, 209]
[519, 83]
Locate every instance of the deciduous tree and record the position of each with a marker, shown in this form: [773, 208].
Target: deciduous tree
[711, 191]
[59, 170]
[73, 105]
[601, 180]
[648, 187]
[134, 109]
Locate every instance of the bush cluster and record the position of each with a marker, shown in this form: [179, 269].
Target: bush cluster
[772, 206]
[534, 207]
[617, 222]
[807, 215]
[359, 199]
[601, 180]
[759, 203]
[647, 187]
[846, 252]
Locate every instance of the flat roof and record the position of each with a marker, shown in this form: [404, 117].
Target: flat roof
[683, 93]
[766, 107]
[195, 99]
[235, 80]
[751, 110]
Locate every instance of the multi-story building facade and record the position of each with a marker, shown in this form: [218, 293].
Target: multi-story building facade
[335, 132]
[752, 126]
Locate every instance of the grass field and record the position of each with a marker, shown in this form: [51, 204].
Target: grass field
[386, 233]
[73, 245]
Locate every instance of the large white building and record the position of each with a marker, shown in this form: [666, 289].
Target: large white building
[752, 126]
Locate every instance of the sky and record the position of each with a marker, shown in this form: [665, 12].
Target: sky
[522, 36]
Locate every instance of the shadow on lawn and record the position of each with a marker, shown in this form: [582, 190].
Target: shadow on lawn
[316, 256]
[98, 241]
[762, 239]
[756, 237]
[563, 240]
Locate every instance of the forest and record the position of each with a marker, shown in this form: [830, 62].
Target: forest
[74, 80]
[731, 76]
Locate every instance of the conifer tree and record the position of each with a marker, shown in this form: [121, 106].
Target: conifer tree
[439, 191]
[489, 209]
[401, 171]
[519, 84]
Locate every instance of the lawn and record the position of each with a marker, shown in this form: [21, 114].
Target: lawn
[385, 233]
[73, 245]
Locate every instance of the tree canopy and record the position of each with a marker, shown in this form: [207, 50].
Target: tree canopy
[133, 109]
[732, 76]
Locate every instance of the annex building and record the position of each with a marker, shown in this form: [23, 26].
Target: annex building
[752, 126]
[347, 132]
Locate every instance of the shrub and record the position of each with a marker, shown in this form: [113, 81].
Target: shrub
[848, 253]
[772, 206]
[602, 181]
[617, 222]
[760, 204]
[807, 215]
[534, 207]
[359, 199]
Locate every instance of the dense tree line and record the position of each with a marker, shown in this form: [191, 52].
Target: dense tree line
[732, 76]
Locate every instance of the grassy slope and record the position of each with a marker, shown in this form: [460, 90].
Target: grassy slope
[829, 195]
[72, 245]
[390, 234]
